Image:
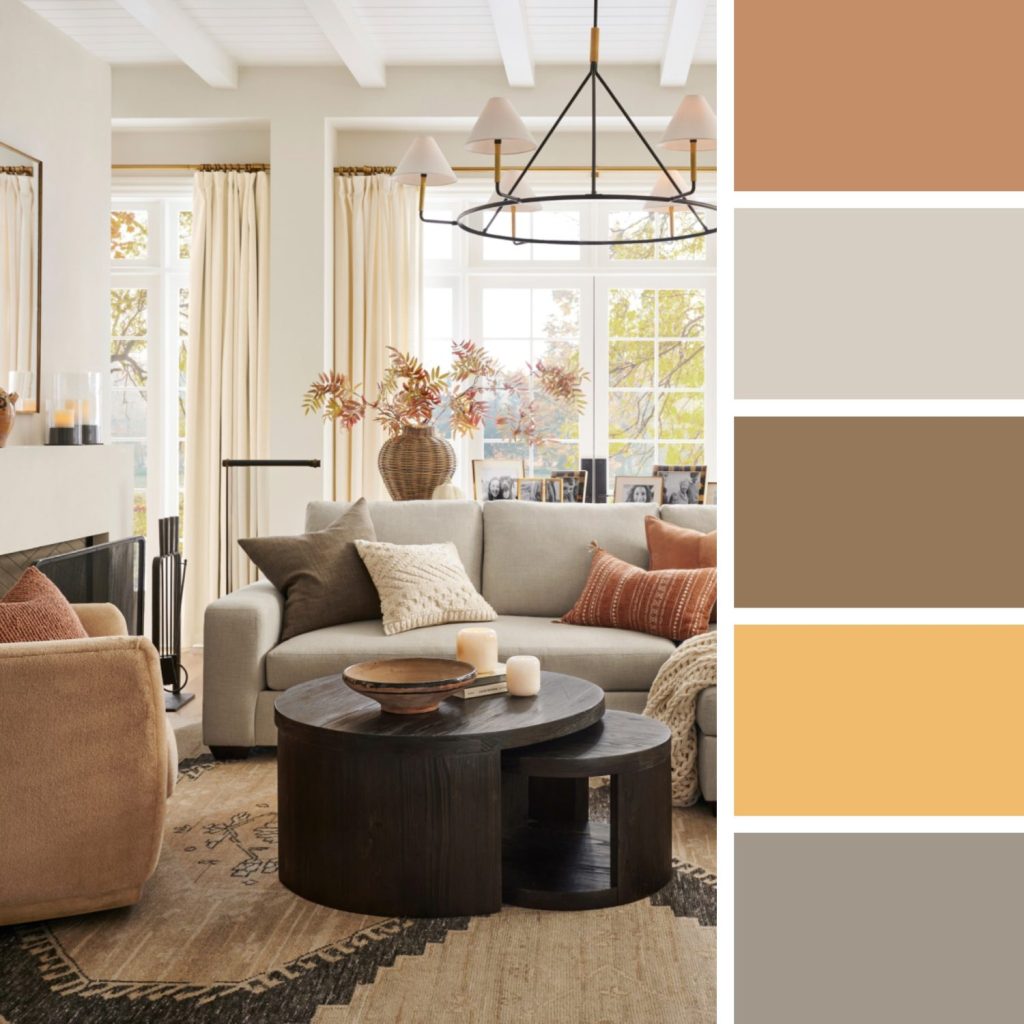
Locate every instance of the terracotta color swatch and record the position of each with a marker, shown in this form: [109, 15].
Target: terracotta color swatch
[878, 929]
[907, 95]
[879, 512]
[879, 719]
[868, 304]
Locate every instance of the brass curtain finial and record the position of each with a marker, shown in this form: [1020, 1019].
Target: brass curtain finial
[18, 169]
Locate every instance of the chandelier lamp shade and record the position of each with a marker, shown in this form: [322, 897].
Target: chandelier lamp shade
[499, 131]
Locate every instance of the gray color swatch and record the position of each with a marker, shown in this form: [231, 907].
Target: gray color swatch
[879, 304]
[889, 929]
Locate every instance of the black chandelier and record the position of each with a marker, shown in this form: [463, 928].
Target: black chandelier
[499, 130]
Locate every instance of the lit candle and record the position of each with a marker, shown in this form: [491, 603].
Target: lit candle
[523, 674]
[64, 418]
[479, 646]
[86, 411]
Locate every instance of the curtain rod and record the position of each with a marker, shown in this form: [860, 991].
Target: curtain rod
[18, 169]
[578, 168]
[190, 167]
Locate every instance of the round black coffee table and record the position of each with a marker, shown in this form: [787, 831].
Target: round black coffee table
[401, 815]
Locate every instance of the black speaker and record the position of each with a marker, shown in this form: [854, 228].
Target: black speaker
[597, 480]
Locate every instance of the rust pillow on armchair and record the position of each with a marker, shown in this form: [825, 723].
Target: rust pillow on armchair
[34, 609]
[673, 603]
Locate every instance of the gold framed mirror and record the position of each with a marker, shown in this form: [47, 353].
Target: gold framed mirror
[21, 225]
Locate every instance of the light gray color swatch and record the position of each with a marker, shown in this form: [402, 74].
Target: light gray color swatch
[879, 304]
[881, 928]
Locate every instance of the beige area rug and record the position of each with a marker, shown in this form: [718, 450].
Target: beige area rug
[216, 938]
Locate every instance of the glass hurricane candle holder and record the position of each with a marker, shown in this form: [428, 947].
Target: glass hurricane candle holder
[23, 384]
[73, 408]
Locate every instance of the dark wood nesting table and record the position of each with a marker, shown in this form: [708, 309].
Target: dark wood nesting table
[403, 815]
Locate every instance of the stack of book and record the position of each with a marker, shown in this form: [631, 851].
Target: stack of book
[485, 685]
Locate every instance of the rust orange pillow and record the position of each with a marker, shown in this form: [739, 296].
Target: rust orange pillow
[676, 547]
[673, 603]
[34, 609]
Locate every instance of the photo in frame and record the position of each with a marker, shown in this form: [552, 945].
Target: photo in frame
[639, 489]
[574, 485]
[684, 485]
[539, 488]
[495, 479]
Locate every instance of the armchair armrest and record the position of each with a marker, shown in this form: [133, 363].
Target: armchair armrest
[238, 633]
[83, 774]
[101, 619]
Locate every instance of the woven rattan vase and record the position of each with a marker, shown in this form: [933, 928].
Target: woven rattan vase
[415, 462]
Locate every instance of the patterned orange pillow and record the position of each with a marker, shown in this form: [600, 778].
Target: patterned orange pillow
[673, 603]
[34, 609]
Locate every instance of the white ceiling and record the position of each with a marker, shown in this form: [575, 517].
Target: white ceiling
[255, 32]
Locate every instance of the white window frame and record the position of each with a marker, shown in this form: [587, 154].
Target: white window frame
[162, 273]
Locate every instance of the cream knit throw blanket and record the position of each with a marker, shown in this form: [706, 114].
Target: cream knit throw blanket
[673, 700]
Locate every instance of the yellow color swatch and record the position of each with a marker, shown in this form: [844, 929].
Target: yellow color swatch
[879, 720]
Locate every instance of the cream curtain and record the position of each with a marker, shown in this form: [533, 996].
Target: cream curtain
[18, 258]
[227, 391]
[377, 275]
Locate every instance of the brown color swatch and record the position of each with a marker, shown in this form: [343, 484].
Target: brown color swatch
[879, 512]
[878, 929]
[913, 95]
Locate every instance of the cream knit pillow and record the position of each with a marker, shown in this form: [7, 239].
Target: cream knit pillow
[421, 585]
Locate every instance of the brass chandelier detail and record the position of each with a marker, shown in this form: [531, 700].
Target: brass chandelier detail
[499, 131]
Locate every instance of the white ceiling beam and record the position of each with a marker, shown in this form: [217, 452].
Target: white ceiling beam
[681, 44]
[339, 21]
[183, 37]
[509, 17]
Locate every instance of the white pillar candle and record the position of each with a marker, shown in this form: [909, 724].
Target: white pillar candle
[523, 674]
[479, 646]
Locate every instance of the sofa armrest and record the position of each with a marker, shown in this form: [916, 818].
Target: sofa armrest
[101, 619]
[83, 771]
[239, 631]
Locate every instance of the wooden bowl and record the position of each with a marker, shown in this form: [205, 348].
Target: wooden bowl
[409, 686]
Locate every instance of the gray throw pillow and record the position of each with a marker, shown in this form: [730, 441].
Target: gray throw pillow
[321, 575]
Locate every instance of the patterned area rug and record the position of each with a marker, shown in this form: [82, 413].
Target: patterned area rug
[216, 938]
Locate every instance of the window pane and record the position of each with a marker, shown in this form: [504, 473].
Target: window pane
[501, 248]
[129, 234]
[507, 450]
[631, 414]
[506, 312]
[182, 335]
[129, 315]
[631, 313]
[629, 460]
[556, 312]
[680, 364]
[643, 224]
[681, 454]
[556, 224]
[139, 513]
[681, 415]
[681, 313]
[128, 412]
[555, 455]
[631, 364]
[184, 234]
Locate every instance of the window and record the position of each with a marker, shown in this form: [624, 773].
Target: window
[638, 318]
[149, 248]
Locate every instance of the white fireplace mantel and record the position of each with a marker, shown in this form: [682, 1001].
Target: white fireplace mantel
[56, 494]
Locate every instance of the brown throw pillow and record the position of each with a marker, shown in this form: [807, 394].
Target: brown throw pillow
[676, 547]
[673, 603]
[321, 575]
[34, 609]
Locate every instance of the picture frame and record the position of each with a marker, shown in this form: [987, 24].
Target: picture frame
[711, 493]
[639, 489]
[684, 485]
[539, 488]
[495, 479]
[574, 485]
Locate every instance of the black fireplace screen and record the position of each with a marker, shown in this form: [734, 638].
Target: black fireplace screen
[104, 573]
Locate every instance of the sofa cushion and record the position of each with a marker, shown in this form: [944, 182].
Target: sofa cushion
[421, 585]
[537, 556]
[694, 517]
[615, 659]
[679, 547]
[417, 522]
[321, 576]
[707, 711]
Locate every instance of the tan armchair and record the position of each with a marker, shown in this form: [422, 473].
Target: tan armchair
[87, 762]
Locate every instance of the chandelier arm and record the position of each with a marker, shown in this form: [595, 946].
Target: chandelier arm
[640, 135]
[536, 153]
[435, 220]
[700, 220]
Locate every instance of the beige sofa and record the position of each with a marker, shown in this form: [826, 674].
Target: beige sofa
[529, 561]
[87, 762]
